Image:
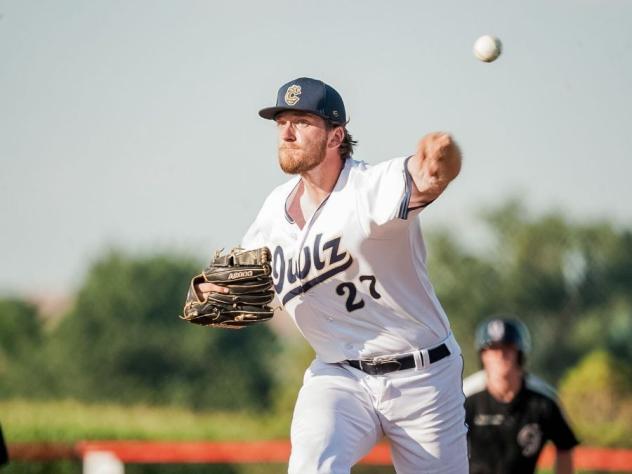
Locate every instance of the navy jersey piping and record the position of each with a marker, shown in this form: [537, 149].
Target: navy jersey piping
[402, 213]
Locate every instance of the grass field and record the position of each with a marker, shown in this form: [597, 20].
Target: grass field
[71, 420]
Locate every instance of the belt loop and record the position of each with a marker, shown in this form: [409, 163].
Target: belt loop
[419, 362]
[425, 358]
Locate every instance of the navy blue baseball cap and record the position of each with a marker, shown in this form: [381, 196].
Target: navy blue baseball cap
[503, 329]
[308, 95]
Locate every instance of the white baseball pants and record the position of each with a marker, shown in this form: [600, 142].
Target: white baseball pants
[341, 412]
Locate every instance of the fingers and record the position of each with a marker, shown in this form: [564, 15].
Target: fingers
[206, 288]
[439, 154]
[435, 145]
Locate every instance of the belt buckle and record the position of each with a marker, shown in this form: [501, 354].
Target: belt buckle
[383, 366]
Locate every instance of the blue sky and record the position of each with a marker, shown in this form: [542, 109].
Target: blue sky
[134, 124]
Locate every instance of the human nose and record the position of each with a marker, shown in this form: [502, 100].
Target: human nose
[286, 132]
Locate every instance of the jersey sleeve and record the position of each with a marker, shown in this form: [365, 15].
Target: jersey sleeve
[475, 383]
[384, 192]
[559, 430]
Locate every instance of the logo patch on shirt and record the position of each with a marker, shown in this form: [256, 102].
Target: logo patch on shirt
[292, 94]
[489, 420]
[529, 439]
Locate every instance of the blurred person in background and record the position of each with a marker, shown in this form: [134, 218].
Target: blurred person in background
[510, 413]
[4, 454]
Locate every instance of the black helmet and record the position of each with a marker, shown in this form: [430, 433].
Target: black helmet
[503, 329]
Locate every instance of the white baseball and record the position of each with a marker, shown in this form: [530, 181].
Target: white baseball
[487, 48]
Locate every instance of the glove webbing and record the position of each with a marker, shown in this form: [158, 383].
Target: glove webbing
[244, 258]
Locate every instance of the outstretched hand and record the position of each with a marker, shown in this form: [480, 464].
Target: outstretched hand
[435, 164]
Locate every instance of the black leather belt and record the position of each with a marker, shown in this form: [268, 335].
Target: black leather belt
[384, 366]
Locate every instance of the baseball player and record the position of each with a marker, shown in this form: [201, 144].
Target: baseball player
[511, 414]
[348, 263]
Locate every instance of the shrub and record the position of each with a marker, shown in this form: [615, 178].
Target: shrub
[598, 397]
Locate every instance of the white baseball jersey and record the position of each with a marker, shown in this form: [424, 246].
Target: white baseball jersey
[354, 278]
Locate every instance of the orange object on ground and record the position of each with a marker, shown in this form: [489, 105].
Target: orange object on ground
[278, 451]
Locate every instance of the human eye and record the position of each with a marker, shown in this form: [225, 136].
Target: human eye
[302, 123]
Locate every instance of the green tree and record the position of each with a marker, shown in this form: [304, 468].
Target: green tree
[123, 341]
[597, 394]
[571, 283]
[20, 335]
[468, 287]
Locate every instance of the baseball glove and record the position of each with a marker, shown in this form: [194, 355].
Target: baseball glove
[247, 275]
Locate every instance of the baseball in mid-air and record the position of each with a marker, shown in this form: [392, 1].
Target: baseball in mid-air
[487, 48]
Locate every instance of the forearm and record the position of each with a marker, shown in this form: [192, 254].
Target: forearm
[564, 462]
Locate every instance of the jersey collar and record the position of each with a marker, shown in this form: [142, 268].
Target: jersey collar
[340, 183]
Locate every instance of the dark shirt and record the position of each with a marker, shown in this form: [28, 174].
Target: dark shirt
[507, 438]
[4, 455]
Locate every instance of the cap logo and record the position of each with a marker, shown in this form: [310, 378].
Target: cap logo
[292, 94]
[335, 113]
[496, 330]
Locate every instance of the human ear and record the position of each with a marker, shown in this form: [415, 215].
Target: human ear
[336, 137]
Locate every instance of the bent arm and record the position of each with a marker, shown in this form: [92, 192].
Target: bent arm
[435, 164]
[564, 462]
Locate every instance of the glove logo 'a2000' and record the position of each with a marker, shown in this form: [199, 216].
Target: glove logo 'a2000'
[247, 275]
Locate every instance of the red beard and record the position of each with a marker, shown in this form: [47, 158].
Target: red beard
[297, 160]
